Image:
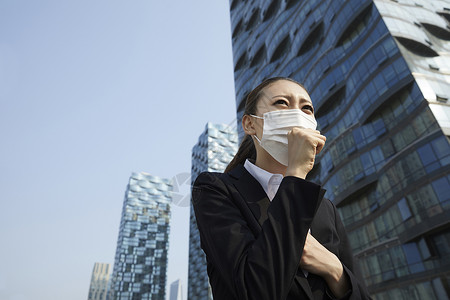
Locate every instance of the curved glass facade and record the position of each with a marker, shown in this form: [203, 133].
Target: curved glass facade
[215, 148]
[140, 264]
[378, 75]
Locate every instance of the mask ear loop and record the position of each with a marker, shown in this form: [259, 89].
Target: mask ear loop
[258, 117]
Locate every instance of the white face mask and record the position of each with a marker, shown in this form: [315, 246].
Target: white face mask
[277, 124]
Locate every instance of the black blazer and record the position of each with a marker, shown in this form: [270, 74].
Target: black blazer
[253, 246]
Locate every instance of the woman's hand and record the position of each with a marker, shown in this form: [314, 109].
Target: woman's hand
[303, 145]
[318, 260]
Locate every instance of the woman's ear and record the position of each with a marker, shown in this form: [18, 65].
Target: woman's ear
[248, 124]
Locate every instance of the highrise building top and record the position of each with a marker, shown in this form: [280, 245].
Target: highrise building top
[98, 289]
[379, 77]
[141, 256]
[422, 32]
[215, 148]
[176, 290]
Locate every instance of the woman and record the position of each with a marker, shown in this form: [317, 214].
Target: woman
[267, 232]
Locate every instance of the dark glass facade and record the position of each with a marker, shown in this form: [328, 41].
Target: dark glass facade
[378, 73]
[215, 148]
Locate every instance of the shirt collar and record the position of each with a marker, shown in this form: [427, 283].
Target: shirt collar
[264, 178]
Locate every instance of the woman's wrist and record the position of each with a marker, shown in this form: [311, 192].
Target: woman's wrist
[337, 280]
[297, 172]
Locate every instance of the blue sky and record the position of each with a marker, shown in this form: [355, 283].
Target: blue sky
[91, 91]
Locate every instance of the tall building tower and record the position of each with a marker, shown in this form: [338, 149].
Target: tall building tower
[98, 288]
[378, 73]
[141, 257]
[176, 290]
[215, 148]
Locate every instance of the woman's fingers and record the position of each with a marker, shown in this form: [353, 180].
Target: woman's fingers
[320, 143]
[319, 260]
[316, 258]
[303, 145]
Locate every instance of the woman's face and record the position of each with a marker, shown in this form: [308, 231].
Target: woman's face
[282, 94]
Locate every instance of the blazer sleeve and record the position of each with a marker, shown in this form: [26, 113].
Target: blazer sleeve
[358, 288]
[261, 267]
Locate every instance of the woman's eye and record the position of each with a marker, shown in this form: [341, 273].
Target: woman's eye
[283, 102]
[308, 107]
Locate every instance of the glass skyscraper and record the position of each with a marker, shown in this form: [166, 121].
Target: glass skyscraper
[176, 291]
[98, 288]
[378, 73]
[215, 148]
[141, 257]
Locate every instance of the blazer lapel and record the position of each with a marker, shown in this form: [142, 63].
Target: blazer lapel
[258, 202]
[252, 192]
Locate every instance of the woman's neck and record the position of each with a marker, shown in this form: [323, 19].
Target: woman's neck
[266, 162]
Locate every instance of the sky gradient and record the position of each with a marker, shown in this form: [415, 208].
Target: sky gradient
[91, 91]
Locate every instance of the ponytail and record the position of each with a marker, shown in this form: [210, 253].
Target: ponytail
[246, 150]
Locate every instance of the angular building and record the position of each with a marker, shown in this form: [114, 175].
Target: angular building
[176, 292]
[141, 257]
[215, 148]
[378, 73]
[98, 289]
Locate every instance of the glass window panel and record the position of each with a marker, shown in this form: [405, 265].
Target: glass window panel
[390, 46]
[389, 76]
[380, 226]
[390, 224]
[397, 110]
[413, 258]
[416, 205]
[426, 154]
[366, 160]
[371, 90]
[387, 148]
[371, 231]
[423, 246]
[425, 291]
[398, 141]
[400, 66]
[358, 137]
[442, 149]
[439, 288]
[379, 127]
[419, 125]
[399, 261]
[386, 263]
[404, 209]
[442, 188]
[374, 268]
[431, 203]
[380, 85]
[408, 135]
[384, 186]
[377, 155]
[415, 165]
[442, 244]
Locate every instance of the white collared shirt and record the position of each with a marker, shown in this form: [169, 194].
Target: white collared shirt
[269, 182]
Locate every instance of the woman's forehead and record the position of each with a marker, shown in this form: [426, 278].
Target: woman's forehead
[284, 88]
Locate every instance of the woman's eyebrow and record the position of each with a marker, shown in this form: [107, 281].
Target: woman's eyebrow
[291, 96]
[283, 95]
[306, 100]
